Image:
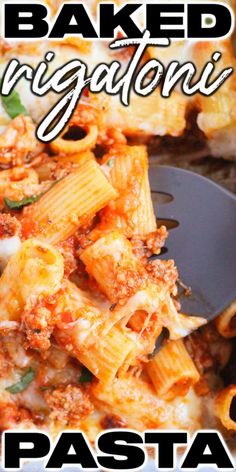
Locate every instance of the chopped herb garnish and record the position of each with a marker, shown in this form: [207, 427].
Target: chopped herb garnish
[110, 163]
[12, 104]
[26, 379]
[18, 205]
[86, 376]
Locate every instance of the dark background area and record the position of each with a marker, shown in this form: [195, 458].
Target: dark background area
[190, 152]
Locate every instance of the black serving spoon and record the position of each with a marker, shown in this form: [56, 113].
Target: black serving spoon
[201, 217]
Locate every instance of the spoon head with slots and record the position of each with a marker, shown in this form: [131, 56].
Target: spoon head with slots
[201, 217]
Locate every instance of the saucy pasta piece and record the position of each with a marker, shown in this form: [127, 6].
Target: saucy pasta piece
[75, 159]
[172, 370]
[147, 312]
[132, 211]
[216, 111]
[156, 300]
[91, 336]
[35, 270]
[134, 400]
[76, 145]
[112, 254]
[17, 183]
[226, 322]
[70, 203]
[109, 355]
[224, 407]
[142, 306]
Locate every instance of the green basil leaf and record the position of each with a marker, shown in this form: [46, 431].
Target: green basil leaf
[18, 205]
[12, 104]
[86, 376]
[26, 379]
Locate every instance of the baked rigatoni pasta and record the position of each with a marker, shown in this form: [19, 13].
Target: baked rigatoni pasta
[150, 310]
[70, 202]
[73, 146]
[226, 322]
[17, 183]
[113, 254]
[136, 403]
[153, 299]
[75, 159]
[95, 297]
[140, 305]
[134, 400]
[35, 271]
[172, 370]
[132, 211]
[216, 111]
[91, 335]
[82, 302]
[110, 354]
[223, 405]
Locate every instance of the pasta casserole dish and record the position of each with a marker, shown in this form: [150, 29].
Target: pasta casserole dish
[82, 299]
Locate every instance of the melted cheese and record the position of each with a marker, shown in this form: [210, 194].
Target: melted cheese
[8, 247]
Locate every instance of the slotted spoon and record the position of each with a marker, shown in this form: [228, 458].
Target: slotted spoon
[202, 240]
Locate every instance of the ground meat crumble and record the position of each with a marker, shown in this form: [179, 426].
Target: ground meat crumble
[69, 404]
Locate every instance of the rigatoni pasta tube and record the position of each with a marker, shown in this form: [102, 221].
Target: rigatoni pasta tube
[70, 161]
[148, 311]
[148, 326]
[108, 354]
[113, 254]
[223, 407]
[75, 159]
[91, 336]
[69, 203]
[132, 212]
[217, 111]
[172, 370]
[16, 183]
[20, 175]
[36, 270]
[154, 299]
[135, 401]
[226, 322]
[73, 146]
[143, 217]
